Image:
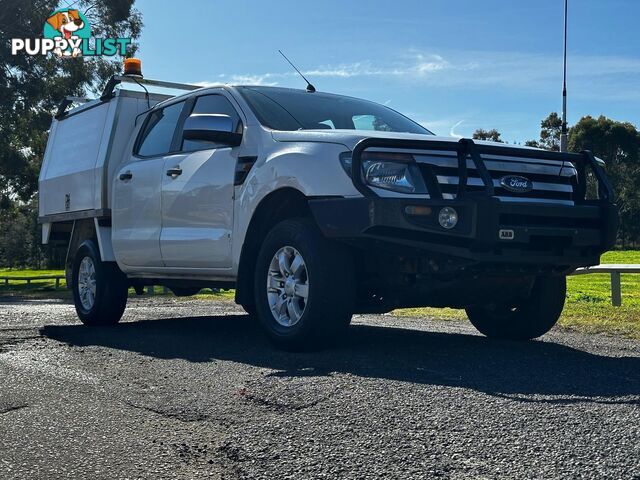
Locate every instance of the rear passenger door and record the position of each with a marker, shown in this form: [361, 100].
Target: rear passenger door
[197, 195]
[136, 199]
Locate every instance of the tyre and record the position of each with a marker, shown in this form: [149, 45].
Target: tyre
[523, 319]
[250, 309]
[303, 286]
[99, 288]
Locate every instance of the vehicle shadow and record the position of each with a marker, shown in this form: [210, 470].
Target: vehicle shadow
[528, 372]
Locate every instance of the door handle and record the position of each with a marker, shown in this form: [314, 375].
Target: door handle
[126, 175]
[174, 172]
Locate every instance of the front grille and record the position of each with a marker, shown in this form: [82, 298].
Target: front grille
[553, 181]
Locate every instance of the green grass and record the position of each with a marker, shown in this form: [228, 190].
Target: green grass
[588, 307]
[36, 286]
[46, 288]
[18, 272]
[207, 294]
[626, 256]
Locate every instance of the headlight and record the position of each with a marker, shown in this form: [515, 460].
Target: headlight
[396, 172]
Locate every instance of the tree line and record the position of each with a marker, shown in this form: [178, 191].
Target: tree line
[31, 87]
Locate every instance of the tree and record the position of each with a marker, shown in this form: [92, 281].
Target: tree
[550, 130]
[20, 236]
[492, 135]
[32, 86]
[618, 144]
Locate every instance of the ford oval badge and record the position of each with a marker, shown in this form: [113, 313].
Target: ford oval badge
[516, 184]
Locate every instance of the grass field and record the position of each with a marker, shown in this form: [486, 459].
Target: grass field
[588, 307]
[44, 288]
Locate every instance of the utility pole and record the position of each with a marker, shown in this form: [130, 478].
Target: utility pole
[563, 135]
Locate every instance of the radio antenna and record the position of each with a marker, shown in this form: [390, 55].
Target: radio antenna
[310, 88]
[563, 134]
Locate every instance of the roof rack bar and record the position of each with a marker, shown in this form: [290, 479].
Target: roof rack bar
[66, 101]
[117, 79]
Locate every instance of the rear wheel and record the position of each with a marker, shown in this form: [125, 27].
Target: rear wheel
[99, 288]
[304, 286]
[522, 319]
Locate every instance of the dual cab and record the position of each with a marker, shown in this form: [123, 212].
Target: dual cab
[313, 207]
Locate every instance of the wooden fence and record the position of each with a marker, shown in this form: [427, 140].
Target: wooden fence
[28, 280]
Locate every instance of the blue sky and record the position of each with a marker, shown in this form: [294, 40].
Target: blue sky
[452, 65]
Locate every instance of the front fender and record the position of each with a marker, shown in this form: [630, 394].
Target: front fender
[312, 168]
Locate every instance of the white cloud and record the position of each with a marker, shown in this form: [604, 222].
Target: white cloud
[452, 131]
[607, 77]
[416, 66]
[444, 126]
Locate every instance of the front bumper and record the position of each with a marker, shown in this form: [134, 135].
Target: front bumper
[544, 235]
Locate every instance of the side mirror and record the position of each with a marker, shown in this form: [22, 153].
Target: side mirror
[211, 128]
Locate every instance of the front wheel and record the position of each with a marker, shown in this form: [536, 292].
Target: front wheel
[522, 319]
[99, 288]
[304, 286]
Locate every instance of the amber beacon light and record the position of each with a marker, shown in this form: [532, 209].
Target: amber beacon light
[133, 66]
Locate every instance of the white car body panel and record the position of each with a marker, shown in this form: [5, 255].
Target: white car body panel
[136, 215]
[311, 168]
[197, 210]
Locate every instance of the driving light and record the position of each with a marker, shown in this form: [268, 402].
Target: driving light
[448, 218]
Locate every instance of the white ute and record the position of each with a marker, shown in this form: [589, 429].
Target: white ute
[313, 207]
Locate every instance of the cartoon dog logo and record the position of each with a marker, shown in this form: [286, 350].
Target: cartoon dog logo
[67, 23]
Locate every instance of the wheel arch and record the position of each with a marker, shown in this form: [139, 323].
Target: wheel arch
[286, 202]
[88, 229]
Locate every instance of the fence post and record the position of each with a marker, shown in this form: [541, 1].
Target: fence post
[616, 293]
[150, 290]
[57, 283]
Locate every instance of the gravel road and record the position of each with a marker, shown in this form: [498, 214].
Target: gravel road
[191, 389]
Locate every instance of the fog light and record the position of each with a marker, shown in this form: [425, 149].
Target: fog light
[448, 218]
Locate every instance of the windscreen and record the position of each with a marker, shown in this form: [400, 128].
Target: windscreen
[289, 109]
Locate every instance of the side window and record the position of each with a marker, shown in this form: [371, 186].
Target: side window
[159, 130]
[212, 104]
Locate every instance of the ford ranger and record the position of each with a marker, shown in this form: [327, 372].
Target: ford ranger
[313, 207]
